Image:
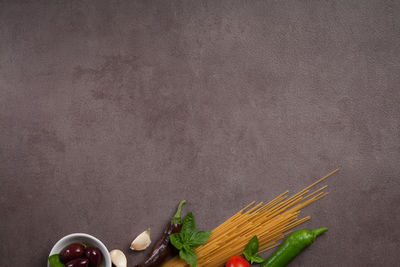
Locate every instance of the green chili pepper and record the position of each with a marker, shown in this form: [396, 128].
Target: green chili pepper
[55, 261]
[292, 246]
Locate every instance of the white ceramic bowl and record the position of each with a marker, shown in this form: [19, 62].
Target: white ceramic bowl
[82, 238]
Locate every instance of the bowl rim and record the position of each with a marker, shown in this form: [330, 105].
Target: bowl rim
[102, 247]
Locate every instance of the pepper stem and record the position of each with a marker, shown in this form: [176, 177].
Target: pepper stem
[177, 217]
[318, 231]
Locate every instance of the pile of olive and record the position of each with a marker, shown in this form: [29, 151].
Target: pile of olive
[77, 255]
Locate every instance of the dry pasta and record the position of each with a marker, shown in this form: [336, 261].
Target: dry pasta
[270, 222]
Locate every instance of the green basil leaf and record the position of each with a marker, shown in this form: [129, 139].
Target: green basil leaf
[251, 248]
[55, 261]
[183, 237]
[247, 255]
[256, 259]
[189, 236]
[188, 225]
[198, 238]
[189, 255]
[186, 247]
[176, 240]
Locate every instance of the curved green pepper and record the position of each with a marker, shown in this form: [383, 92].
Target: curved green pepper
[55, 261]
[292, 246]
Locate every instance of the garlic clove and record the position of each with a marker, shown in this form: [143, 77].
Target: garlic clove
[142, 241]
[118, 258]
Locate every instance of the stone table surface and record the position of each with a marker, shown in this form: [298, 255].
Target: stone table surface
[113, 111]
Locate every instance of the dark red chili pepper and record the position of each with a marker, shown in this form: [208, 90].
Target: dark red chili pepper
[163, 248]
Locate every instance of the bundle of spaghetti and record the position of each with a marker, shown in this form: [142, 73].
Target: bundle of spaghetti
[270, 222]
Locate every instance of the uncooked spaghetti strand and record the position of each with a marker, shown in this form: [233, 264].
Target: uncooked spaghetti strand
[323, 178]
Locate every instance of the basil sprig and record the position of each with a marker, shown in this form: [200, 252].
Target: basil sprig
[250, 252]
[188, 239]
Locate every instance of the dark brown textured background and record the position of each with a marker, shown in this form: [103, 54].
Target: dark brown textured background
[113, 111]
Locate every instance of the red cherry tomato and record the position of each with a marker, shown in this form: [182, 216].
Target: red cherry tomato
[237, 261]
